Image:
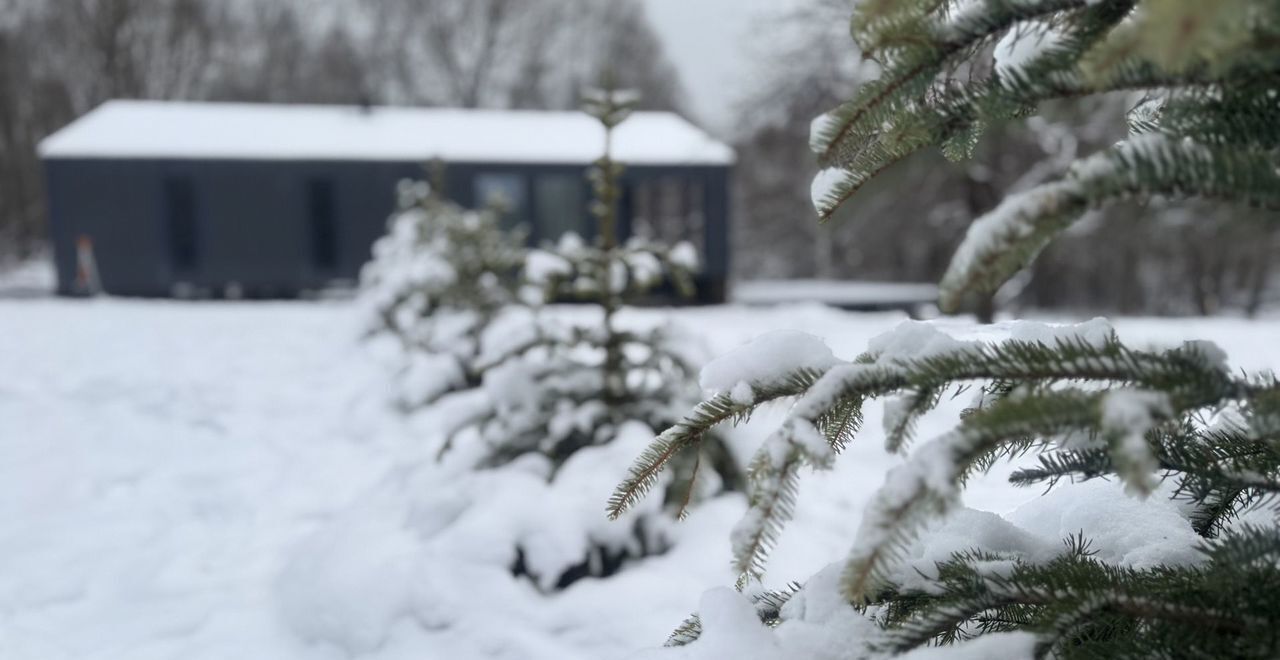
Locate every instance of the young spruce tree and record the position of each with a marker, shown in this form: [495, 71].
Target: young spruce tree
[561, 387]
[1205, 123]
[438, 279]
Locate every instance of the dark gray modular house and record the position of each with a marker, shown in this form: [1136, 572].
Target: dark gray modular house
[211, 199]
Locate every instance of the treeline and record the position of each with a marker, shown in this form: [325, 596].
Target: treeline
[61, 59]
[1152, 259]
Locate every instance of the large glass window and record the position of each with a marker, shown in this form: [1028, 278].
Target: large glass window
[324, 229]
[506, 192]
[669, 209]
[560, 201]
[180, 217]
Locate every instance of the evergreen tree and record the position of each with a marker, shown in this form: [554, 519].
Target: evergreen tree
[591, 370]
[620, 375]
[437, 280]
[1081, 401]
[555, 391]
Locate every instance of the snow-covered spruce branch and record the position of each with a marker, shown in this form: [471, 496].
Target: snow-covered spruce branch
[1001, 242]
[1186, 369]
[966, 598]
[827, 392]
[828, 411]
[693, 428]
[1241, 112]
[1246, 545]
[916, 103]
[901, 414]
[953, 117]
[916, 100]
[774, 480]
[1087, 607]
[962, 602]
[914, 63]
[1075, 591]
[928, 483]
[1218, 471]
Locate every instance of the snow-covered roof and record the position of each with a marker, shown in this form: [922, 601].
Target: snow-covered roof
[182, 130]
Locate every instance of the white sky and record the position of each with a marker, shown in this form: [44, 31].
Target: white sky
[715, 44]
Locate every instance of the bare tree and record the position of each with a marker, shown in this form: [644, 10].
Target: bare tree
[809, 70]
[274, 57]
[616, 37]
[515, 53]
[466, 54]
[105, 49]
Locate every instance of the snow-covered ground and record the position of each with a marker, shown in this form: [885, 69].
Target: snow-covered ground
[34, 278]
[213, 480]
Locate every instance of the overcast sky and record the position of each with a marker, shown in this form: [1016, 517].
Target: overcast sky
[718, 47]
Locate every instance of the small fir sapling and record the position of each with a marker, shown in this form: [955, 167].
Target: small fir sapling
[1174, 422]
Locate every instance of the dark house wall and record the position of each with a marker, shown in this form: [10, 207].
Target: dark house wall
[281, 228]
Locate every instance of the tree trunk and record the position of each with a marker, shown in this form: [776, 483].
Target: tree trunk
[1261, 276]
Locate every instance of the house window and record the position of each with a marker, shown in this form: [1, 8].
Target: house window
[505, 192]
[322, 221]
[560, 205]
[180, 216]
[670, 209]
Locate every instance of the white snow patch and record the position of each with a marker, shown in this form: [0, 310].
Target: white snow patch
[766, 359]
[825, 184]
[644, 267]
[914, 340]
[967, 529]
[820, 125]
[1096, 332]
[1005, 646]
[1213, 354]
[341, 589]
[28, 278]
[541, 267]
[1124, 531]
[428, 376]
[816, 625]
[730, 629]
[684, 255]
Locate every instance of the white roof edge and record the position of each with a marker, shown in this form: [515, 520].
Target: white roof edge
[167, 130]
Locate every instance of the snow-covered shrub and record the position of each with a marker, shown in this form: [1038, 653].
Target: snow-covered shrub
[1193, 579]
[437, 279]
